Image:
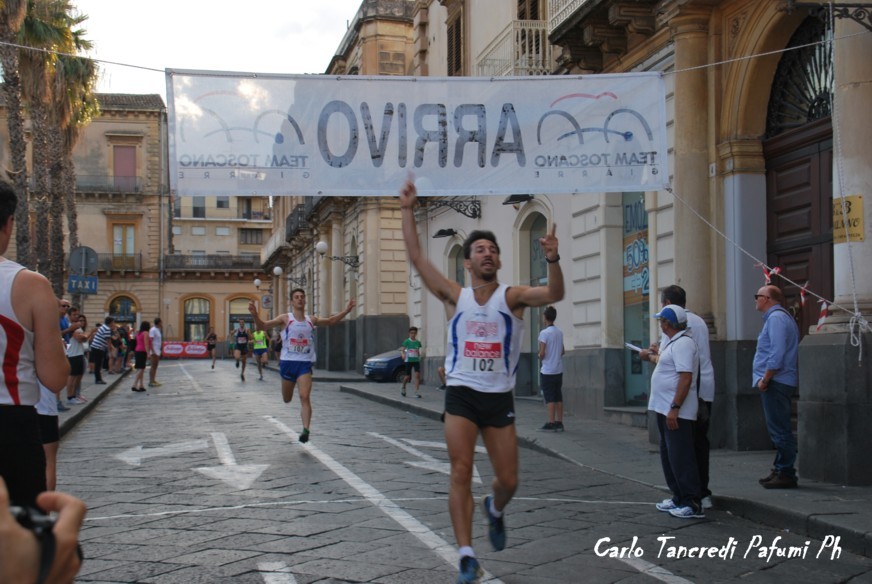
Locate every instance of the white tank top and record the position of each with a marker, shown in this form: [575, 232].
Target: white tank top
[298, 340]
[18, 382]
[484, 343]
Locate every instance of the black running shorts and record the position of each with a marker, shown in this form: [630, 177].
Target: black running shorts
[482, 409]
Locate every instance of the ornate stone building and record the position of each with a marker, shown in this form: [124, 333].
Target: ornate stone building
[765, 129]
[192, 263]
[364, 257]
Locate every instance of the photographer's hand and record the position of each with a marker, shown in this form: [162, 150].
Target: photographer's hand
[20, 550]
[71, 513]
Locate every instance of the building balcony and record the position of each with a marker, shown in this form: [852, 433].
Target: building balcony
[111, 262]
[253, 215]
[561, 10]
[211, 262]
[522, 48]
[96, 183]
[295, 222]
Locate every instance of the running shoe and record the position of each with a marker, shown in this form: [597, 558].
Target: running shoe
[304, 436]
[666, 505]
[496, 527]
[237, 364]
[470, 571]
[242, 376]
[687, 512]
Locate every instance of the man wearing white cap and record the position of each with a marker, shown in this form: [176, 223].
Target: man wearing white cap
[673, 399]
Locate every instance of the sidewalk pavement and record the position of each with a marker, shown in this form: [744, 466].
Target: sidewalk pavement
[815, 509]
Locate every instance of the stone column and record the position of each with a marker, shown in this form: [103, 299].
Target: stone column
[689, 29]
[835, 375]
[338, 267]
[852, 144]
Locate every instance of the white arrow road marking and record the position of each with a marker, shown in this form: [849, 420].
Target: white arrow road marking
[137, 454]
[442, 548]
[238, 476]
[276, 573]
[429, 462]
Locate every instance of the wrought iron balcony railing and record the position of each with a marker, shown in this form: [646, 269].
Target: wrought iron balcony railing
[96, 183]
[211, 262]
[111, 262]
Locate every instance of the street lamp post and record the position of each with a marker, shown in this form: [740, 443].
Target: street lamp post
[267, 300]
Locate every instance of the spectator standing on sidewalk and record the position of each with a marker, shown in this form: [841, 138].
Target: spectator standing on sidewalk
[673, 400]
[99, 346]
[76, 358]
[412, 353]
[551, 352]
[485, 329]
[776, 363]
[142, 349]
[705, 383]
[29, 322]
[155, 335]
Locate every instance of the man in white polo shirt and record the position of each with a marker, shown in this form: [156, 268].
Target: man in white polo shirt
[673, 399]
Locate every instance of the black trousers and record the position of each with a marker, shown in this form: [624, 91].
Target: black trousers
[22, 459]
[97, 356]
[702, 446]
[679, 462]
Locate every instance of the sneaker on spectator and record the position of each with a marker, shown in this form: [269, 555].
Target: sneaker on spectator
[62, 407]
[548, 427]
[687, 512]
[707, 503]
[558, 426]
[71, 401]
[666, 505]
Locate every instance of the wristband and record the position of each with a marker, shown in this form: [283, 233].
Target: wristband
[554, 261]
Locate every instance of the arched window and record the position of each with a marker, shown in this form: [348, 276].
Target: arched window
[197, 314]
[123, 310]
[802, 90]
[458, 272]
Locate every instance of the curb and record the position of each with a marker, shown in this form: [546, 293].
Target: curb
[81, 411]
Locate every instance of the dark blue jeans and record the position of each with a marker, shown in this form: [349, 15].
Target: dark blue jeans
[678, 457]
[776, 410]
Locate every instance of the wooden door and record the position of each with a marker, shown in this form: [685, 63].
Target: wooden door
[799, 200]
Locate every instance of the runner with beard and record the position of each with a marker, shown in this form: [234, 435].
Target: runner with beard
[485, 329]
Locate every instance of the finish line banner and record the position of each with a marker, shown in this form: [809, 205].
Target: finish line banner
[260, 134]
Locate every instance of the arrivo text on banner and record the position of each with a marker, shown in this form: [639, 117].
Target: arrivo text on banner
[266, 134]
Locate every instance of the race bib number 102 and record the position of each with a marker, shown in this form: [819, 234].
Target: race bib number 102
[483, 357]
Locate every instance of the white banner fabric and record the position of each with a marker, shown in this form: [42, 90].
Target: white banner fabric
[261, 134]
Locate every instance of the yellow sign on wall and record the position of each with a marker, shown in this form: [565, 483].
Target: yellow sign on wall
[848, 211]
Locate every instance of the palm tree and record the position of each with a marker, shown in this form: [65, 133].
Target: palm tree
[76, 106]
[46, 29]
[12, 14]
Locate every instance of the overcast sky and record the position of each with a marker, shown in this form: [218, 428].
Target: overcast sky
[260, 36]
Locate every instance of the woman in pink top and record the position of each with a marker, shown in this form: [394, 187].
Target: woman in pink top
[140, 355]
